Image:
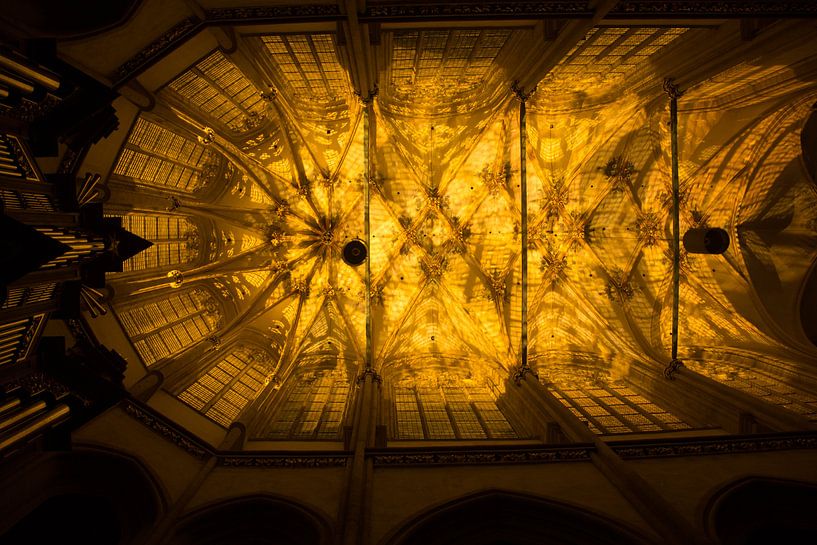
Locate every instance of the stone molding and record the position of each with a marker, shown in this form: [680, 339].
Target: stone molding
[473, 455]
[739, 444]
[283, 460]
[379, 13]
[481, 455]
[167, 430]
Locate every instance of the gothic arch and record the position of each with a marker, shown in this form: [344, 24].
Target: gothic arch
[756, 509]
[94, 478]
[229, 382]
[151, 323]
[495, 516]
[256, 520]
[162, 157]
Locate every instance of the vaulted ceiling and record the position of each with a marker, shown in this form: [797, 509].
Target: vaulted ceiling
[305, 117]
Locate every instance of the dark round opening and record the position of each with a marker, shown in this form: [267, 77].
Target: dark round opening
[706, 241]
[354, 253]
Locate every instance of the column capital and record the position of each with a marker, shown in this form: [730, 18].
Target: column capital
[671, 89]
[520, 93]
[523, 370]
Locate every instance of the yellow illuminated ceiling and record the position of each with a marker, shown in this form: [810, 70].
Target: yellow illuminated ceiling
[445, 204]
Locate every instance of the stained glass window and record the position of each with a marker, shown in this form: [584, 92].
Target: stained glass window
[224, 391]
[448, 410]
[156, 156]
[219, 89]
[606, 406]
[760, 384]
[164, 328]
[174, 241]
[308, 64]
[314, 408]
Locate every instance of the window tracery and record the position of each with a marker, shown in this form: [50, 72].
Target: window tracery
[447, 408]
[156, 156]
[219, 89]
[226, 389]
[308, 64]
[314, 407]
[427, 61]
[759, 384]
[175, 240]
[605, 405]
[164, 328]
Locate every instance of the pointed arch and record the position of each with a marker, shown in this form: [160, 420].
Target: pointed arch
[254, 519]
[221, 92]
[761, 509]
[176, 240]
[88, 477]
[159, 157]
[234, 381]
[496, 516]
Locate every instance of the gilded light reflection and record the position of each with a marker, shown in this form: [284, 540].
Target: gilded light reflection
[446, 226]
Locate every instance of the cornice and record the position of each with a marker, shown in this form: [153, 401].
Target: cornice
[471, 455]
[167, 430]
[284, 460]
[155, 50]
[381, 12]
[199, 449]
[275, 14]
[482, 456]
[408, 11]
[738, 444]
[727, 10]
[386, 12]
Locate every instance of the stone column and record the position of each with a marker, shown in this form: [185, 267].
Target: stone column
[356, 505]
[654, 508]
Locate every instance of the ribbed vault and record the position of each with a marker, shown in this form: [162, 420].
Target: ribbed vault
[254, 166]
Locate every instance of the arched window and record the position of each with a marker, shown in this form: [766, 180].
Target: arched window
[220, 90]
[607, 406]
[307, 64]
[161, 329]
[156, 156]
[447, 408]
[175, 240]
[760, 384]
[314, 407]
[223, 392]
